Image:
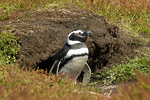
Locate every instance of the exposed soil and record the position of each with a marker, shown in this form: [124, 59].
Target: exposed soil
[44, 32]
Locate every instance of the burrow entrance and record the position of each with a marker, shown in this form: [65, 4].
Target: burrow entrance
[44, 32]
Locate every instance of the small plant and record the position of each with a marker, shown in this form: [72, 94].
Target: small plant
[8, 48]
[4, 17]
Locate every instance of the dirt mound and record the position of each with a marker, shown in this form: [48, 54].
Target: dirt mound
[44, 32]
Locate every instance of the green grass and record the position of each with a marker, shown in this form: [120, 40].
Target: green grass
[8, 48]
[124, 72]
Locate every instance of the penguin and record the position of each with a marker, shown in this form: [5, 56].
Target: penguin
[71, 60]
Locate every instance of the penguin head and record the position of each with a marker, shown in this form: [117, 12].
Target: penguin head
[77, 36]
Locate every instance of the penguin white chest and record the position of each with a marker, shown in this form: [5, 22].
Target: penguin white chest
[74, 67]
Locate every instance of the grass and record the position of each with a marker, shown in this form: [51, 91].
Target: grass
[35, 85]
[16, 84]
[124, 72]
[8, 47]
[133, 15]
[137, 91]
[10, 9]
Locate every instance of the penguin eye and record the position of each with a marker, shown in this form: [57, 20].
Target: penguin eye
[79, 33]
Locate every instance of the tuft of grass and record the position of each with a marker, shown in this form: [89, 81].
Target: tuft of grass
[4, 17]
[8, 48]
[124, 72]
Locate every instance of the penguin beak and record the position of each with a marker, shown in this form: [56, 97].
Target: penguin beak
[88, 33]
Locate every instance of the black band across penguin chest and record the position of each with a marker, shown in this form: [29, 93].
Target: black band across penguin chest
[65, 61]
[77, 56]
[74, 66]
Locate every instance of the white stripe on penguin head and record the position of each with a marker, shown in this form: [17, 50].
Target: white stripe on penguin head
[70, 42]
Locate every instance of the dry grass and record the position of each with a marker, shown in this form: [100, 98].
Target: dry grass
[137, 91]
[16, 84]
[34, 85]
[10, 9]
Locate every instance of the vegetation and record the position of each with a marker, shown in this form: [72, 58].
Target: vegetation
[11, 8]
[35, 85]
[124, 72]
[137, 91]
[8, 48]
[18, 84]
[133, 15]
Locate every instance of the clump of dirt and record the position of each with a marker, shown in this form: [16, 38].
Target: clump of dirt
[44, 32]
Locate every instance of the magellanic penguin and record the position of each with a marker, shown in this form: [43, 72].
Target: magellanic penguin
[71, 60]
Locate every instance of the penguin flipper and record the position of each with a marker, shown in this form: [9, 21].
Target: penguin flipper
[58, 67]
[87, 74]
[50, 71]
[57, 64]
[57, 59]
